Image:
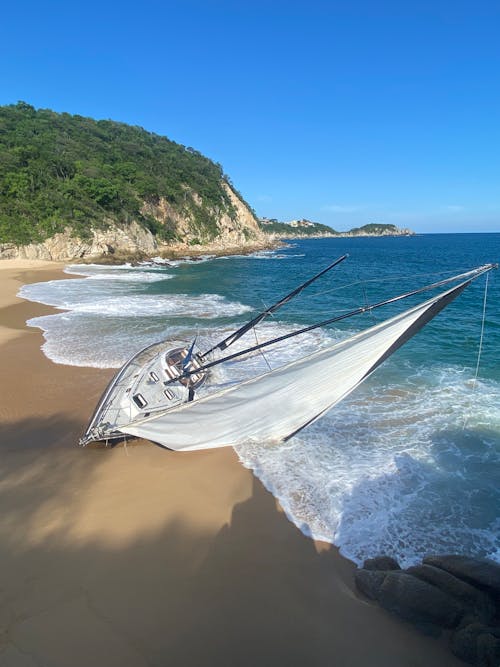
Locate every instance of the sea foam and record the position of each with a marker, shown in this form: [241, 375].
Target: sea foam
[108, 315]
[394, 469]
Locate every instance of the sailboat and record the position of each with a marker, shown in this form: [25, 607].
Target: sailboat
[167, 395]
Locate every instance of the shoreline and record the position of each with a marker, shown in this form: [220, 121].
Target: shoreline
[169, 251]
[135, 555]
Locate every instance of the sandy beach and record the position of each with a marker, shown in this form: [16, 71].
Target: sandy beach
[136, 556]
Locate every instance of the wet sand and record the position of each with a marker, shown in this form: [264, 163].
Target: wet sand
[136, 556]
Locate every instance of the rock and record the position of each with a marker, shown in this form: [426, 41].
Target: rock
[417, 601]
[476, 644]
[463, 642]
[369, 582]
[381, 563]
[480, 572]
[132, 239]
[237, 228]
[488, 650]
[477, 603]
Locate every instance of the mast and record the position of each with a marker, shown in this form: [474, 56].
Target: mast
[468, 277]
[232, 338]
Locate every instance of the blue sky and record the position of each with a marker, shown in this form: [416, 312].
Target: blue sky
[341, 112]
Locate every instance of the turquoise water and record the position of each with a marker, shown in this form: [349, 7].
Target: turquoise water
[410, 462]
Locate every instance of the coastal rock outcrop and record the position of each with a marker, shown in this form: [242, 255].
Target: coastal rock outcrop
[240, 229]
[411, 598]
[475, 601]
[237, 231]
[477, 644]
[133, 239]
[454, 592]
[381, 563]
[480, 572]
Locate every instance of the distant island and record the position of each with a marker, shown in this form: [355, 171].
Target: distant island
[307, 229]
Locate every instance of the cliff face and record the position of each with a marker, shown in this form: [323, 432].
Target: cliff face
[239, 230]
[239, 227]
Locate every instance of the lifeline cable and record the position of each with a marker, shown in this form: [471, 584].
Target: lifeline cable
[479, 350]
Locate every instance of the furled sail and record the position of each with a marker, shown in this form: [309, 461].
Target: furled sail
[278, 404]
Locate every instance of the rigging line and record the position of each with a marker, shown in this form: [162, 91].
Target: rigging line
[365, 295]
[383, 280]
[480, 348]
[233, 337]
[471, 275]
[257, 339]
[262, 353]
[481, 338]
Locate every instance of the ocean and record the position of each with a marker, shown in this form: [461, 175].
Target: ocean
[409, 463]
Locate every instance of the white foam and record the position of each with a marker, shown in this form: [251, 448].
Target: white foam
[205, 306]
[88, 296]
[110, 315]
[374, 479]
[263, 254]
[124, 272]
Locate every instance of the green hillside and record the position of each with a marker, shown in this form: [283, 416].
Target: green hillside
[308, 228]
[375, 228]
[272, 226]
[59, 170]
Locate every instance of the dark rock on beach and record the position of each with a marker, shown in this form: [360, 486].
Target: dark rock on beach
[410, 598]
[369, 582]
[419, 602]
[457, 593]
[381, 563]
[477, 603]
[477, 644]
[480, 572]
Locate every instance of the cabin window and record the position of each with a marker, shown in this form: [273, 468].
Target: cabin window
[172, 371]
[153, 377]
[169, 394]
[139, 400]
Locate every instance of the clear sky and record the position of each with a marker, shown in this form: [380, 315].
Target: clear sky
[345, 112]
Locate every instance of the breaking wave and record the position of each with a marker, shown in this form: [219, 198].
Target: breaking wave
[108, 315]
[395, 469]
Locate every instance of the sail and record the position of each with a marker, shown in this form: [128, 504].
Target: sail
[280, 403]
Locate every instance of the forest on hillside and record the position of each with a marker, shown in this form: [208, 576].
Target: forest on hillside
[61, 171]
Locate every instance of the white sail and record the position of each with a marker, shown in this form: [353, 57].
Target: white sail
[277, 404]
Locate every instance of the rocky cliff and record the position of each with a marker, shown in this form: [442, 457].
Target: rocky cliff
[239, 231]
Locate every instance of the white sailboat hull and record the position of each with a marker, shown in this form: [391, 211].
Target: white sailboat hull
[277, 404]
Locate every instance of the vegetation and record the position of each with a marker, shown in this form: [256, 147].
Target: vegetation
[376, 228]
[60, 171]
[272, 226]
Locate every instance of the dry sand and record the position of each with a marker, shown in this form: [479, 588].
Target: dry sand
[138, 556]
